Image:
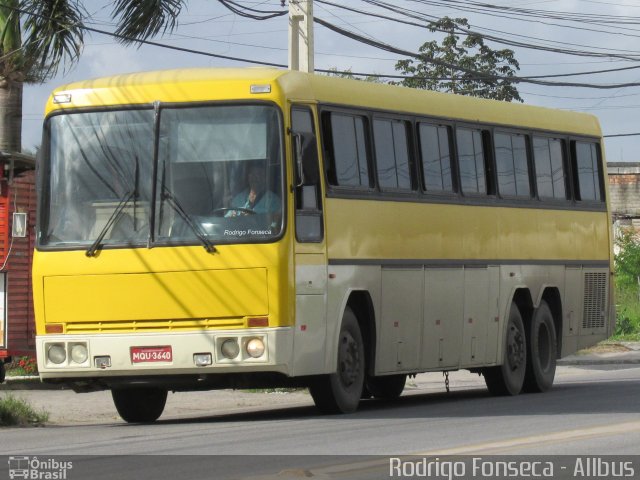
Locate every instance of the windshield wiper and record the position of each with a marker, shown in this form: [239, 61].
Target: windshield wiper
[117, 213]
[173, 203]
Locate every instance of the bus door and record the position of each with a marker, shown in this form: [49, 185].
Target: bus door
[310, 247]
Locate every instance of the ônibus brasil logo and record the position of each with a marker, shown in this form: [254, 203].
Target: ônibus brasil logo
[34, 468]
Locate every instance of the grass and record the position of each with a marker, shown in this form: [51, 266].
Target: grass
[628, 316]
[628, 337]
[17, 412]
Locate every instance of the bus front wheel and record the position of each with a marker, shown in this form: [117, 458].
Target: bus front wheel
[340, 392]
[139, 405]
[542, 348]
[508, 378]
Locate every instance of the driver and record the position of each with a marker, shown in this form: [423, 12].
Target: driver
[256, 196]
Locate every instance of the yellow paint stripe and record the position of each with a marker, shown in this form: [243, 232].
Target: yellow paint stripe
[340, 470]
[545, 438]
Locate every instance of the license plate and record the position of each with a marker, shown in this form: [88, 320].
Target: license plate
[151, 354]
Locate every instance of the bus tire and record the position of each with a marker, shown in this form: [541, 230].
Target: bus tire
[3, 370]
[508, 378]
[340, 392]
[386, 387]
[542, 348]
[139, 405]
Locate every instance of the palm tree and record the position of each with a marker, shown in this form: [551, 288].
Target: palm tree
[37, 37]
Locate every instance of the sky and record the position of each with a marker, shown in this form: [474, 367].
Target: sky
[603, 27]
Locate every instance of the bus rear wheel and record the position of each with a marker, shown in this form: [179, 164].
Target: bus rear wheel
[340, 392]
[508, 378]
[542, 348]
[387, 387]
[139, 405]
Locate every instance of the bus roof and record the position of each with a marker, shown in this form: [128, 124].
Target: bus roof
[201, 84]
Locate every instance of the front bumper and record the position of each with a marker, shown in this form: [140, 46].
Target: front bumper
[184, 347]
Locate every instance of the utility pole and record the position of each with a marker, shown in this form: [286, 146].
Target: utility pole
[301, 35]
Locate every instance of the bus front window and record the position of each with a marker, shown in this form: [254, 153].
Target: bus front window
[223, 167]
[219, 177]
[99, 165]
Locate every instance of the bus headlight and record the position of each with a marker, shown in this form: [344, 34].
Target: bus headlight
[255, 347]
[230, 348]
[79, 353]
[56, 353]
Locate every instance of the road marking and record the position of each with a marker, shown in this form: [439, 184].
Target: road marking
[381, 464]
[545, 438]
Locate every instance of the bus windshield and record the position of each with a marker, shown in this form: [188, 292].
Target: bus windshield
[218, 177]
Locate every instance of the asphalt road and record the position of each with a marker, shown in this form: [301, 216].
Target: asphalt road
[592, 410]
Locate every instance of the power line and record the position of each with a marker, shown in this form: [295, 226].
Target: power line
[465, 31]
[157, 44]
[182, 49]
[248, 12]
[377, 44]
[626, 5]
[520, 16]
[576, 17]
[368, 41]
[478, 75]
[565, 97]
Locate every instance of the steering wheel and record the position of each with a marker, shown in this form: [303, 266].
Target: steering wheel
[243, 211]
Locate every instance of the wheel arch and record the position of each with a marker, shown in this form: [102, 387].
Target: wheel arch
[522, 298]
[361, 304]
[552, 296]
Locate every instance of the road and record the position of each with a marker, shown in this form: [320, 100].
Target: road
[590, 411]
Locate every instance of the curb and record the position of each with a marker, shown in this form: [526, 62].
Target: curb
[629, 357]
[598, 361]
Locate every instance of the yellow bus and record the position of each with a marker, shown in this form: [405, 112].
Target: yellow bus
[231, 228]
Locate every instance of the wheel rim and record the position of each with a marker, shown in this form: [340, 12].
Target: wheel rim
[349, 362]
[516, 352]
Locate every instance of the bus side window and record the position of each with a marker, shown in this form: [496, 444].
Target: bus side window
[548, 156]
[586, 173]
[512, 165]
[435, 153]
[392, 154]
[472, 161]
[346, 147]
[308, 199]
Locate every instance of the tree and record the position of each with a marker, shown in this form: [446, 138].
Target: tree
[466, 68]
[39, 36]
